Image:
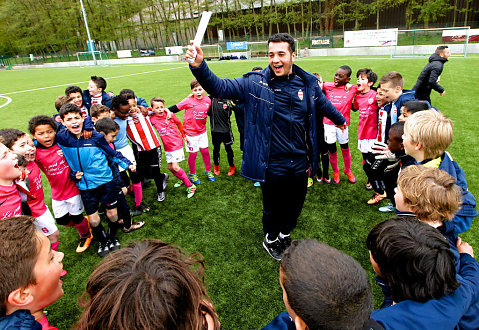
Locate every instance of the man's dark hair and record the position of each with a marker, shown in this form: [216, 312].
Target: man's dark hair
[370, 74]
[117, 101]
[346, 68]
[440, 49]
[257, 68]
[415, 106]
[72, 89]
[128, 93]
[283, 37]
[41, 120]
[397, 129]
[326, 288]
[8, 136]
[69, 108]
[100, 82]
[106, 125]
[414, 258]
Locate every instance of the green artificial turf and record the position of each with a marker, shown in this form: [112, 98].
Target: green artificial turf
[223, 220]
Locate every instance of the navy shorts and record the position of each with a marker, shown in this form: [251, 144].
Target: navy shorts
[106, 195]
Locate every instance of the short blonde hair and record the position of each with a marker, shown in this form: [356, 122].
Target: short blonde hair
[432, 194]
[432, 129]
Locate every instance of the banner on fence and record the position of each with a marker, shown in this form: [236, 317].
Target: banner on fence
[370, 38]
[237, 45]
[460, 35]
[123, 53]
[175, 50]
[320, 42]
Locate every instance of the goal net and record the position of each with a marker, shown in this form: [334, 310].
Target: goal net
[423, 42]
[86, 58]
[260, 48]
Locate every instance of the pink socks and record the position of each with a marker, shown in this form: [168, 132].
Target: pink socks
[83, 228]
[55, 246]
[347, 159]
[206, 159]
[181, 174]
[192, 162]
[138, 193]
[333, 158]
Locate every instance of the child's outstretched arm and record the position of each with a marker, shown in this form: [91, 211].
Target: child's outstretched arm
[116, 156]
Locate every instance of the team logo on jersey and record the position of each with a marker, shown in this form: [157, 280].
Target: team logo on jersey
[225, 106]
[300, 94]
[371, 100]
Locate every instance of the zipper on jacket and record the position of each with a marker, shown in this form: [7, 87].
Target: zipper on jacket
[81, 169]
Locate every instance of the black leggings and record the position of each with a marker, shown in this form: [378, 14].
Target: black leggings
[229, 154]
[332, 147]
[65, 220]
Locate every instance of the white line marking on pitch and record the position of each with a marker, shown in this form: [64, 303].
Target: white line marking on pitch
[6, 103]
[82, 82]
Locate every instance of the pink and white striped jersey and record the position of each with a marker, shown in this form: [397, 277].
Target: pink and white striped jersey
[141, 132]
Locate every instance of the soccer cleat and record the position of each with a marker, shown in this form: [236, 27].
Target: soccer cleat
[114, 244]
[310, 182]
[232, 170]
[327, 180]
[143, 208]
[350, 176]
[257, 184]
[190, 191]
[134, 226]
[165, 181]
[386, 209]
[161, 196]
[285, 241]
[194, 178]
[275, 249]
[135, 213]
[84, 243]
[103, 249]
[376, 198]
[336, 178]
[318, 179]
[211, 176]
[217, 170]
[369, 186]
[179, 184]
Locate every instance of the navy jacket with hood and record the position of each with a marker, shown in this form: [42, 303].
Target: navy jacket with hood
[19, 320]
[428, 77]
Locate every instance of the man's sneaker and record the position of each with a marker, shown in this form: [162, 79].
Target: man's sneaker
[232, 170]
[327, 180]
[114, 244]
[194, 178]
[336, 178]
[387, 208]
[143, 208]
[257, 184]
[179, 184]
[376, 198]
[190, 191]
[161, 196]
[165, 181]
[350, 176]
[286, 241]
[310, 182]
[103, 249]
[84, 243]
[135, 213]
[210, 175]
[275, 248]
[134, 226]
[217, 170]
[369, 186]
[319, 179]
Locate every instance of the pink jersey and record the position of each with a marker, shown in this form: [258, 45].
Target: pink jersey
[141, 133]
[37, 205]
[368, 115]
[10, 201]
[52, 162]
[196, 113]
[169, 130]
[341, 99]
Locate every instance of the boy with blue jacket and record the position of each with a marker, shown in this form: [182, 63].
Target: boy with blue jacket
[91, 173]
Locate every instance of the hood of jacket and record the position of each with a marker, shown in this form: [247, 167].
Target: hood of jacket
[435, 57]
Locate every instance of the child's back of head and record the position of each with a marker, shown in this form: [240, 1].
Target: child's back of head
[147, 285]
[414, 258]
[60, 101]
[99, 110]
[326, 288]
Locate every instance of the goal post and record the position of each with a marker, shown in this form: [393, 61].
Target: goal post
[86, 58]
[423, 42]
[259, 49]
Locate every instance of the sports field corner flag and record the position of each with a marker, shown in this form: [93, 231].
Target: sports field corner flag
[200, 32]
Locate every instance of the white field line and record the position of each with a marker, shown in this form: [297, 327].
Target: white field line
[6, 103]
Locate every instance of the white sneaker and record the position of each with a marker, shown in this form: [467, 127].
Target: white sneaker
[161, 196]
[387, 208]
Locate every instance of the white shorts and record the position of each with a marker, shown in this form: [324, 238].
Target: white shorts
[72, 205]
[333, 134]
[197, 142]
[175, 156]
[45, 223]
[365, 145]
[127, 152]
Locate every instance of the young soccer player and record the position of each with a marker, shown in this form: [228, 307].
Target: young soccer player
[67, 204]
[323, 288]
[411, 107]
[172, 134]
[93, 176]
[342, 98]
[98, 111]
[427, 135]
[220, 125]
[75, 96]
[29, 274]
[141, 102]
[167, 292]
[417, 263]
[20, 143]
[194, 121]
[95, 94]
[10, 201]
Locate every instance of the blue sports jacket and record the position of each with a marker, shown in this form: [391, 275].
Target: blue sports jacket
[19, 320]
[105, 99]
[89, 156]
[254, 91]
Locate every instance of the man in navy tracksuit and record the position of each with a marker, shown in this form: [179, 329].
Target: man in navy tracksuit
[281, 104]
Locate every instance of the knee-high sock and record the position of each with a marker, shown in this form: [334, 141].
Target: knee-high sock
[99, 233]
[83, 228]
[112, 228]
[333, 158]
[206, 158]
[180, 174]
[138, 193]
[347, 159]
[55, 246]
[192, 162]
[325, 163]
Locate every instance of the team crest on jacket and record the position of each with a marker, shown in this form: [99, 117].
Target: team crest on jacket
[225, 106]
[300, 94]
[371, 100]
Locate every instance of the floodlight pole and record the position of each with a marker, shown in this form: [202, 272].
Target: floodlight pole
[88, 32]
